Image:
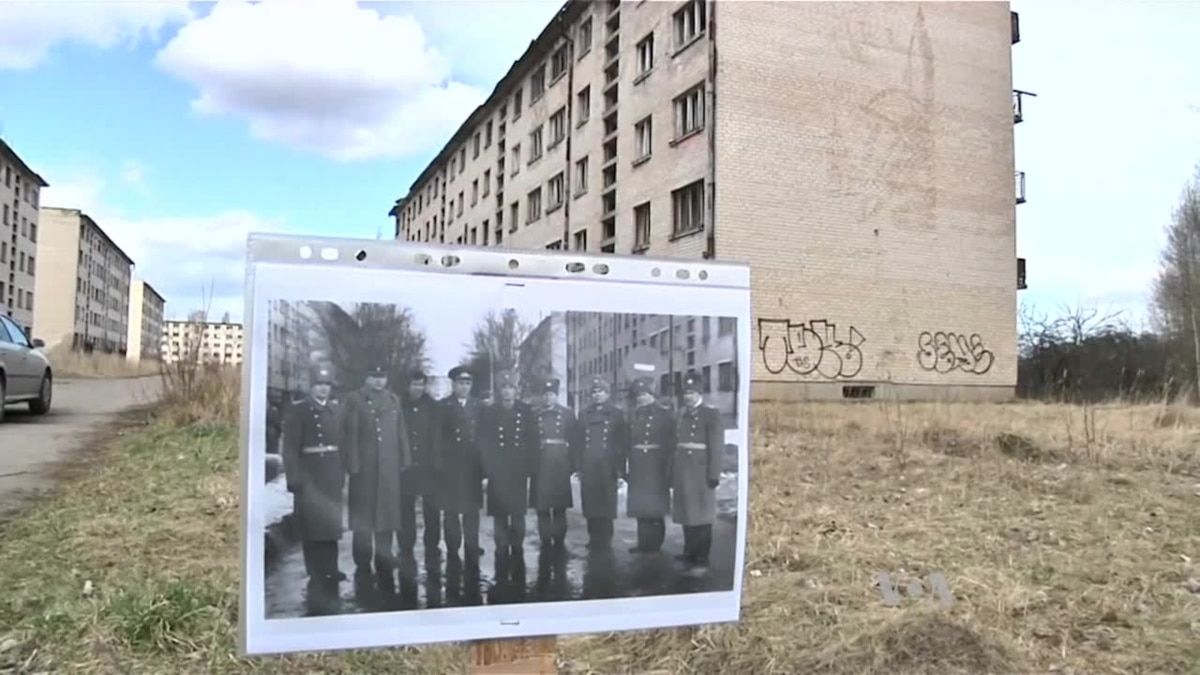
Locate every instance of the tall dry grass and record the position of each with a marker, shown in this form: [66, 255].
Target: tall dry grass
[67, 362]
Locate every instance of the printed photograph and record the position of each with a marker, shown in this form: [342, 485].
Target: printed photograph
[425, 457]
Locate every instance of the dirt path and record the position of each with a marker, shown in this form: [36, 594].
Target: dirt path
[31, 445]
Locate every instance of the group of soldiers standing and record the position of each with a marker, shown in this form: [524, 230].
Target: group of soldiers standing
[398, 449]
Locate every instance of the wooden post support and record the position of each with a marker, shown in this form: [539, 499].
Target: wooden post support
[521, 656]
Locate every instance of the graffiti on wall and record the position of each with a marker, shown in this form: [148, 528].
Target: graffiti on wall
[810, 348]
[942, 352]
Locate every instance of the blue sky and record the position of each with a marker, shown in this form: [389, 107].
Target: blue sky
[181, 127]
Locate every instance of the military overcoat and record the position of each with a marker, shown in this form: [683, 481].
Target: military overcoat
[508, 447]
[560, 440]
[605, 448]
[461, 481]
[314, 469]
[377, 454]
[699, 445]
[651, 452]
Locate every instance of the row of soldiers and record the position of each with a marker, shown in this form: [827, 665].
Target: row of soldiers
[397, 450]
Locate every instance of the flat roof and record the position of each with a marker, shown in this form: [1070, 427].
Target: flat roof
[84, 216]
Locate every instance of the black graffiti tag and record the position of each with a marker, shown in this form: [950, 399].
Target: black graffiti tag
[808, 348]
[942, 352]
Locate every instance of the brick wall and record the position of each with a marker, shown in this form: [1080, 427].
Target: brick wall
[864, 166]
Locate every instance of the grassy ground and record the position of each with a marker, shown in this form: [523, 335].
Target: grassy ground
[1069, 536]
[67, 363]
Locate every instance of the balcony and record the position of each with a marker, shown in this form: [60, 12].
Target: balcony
[1018, 107]
[1020, 186]
[1016, 27]
[1021, 274]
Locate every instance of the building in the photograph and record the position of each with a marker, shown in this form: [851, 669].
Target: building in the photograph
[858, 155]
[146, 311]
[203, 342]
[290, 346]
[83, 284]
[624, 347]
[543, 355]
[20, 191]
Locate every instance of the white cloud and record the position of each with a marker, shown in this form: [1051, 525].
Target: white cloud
[329, 76]
[29, 29]
[133, 174]
[195, 262]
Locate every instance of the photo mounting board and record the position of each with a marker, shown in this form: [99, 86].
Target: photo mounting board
[301, 269]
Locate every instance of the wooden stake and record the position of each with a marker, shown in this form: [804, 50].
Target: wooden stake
[521, 656]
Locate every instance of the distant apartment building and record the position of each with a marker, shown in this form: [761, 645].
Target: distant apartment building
[20, 188]
[622, 347]
[858, 155]
[146, 307]
[290, 346]
[83, 286]
[543, 355]
[202, 342]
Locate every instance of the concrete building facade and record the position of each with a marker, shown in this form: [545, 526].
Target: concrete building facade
[20, 194]
[146, 311]
[858, 155]
[290, 346]
[202, 342]
[83, 288]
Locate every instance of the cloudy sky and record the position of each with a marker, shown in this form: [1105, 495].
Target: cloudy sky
[181, 127]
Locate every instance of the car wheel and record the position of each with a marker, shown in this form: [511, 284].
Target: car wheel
[41, 404]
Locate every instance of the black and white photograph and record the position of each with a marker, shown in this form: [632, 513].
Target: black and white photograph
[440, 455]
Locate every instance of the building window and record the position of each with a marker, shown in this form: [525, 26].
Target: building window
[726, 377]
[581, 176]
[690, 23]
[535, 144]
[584, 41]
[515, 212]
[689, 111]
[487, 182]
[688, 205]
[555, 245]
[645, 54]
[555, 188]
[461, 200]
[641, 227]
[533, 207]
[583, 103]
[516, 159]
[726, 326]
[462, 159]
[580, 241]
[558, 126]
[476, 146]
[487, 135]
[644, 133]
[537, 83]
[558, 63]
[517, 103]
[474, 192]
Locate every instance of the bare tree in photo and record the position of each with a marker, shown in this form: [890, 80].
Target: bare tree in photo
[369, 335]
[496, 346]
[1177, 288]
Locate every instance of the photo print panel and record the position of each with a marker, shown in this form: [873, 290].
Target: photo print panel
[446, 444]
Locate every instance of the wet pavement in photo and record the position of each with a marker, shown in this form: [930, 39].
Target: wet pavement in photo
[571, 574]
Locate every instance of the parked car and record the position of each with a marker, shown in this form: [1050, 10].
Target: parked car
[25, 373]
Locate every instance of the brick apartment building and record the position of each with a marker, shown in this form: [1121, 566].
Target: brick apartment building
[146, 313]
[858, 155]
[83, 284]
[20, 190]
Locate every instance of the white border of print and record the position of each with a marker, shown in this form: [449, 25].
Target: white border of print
[347, 282]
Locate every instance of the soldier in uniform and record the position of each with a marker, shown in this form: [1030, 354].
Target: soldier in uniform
[314, 469]
[420, 480]
[559, 443]
[603, 456]
[508, 446]
[462, 475]
[696, 472]
[652, 448]
[377, 454]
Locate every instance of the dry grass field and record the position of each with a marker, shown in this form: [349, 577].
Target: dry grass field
[1069, 537]
[68, 363]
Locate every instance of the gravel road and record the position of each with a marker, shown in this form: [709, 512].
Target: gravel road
[31, 445]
